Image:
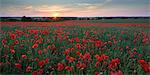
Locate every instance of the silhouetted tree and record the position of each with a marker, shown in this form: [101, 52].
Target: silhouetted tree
[24, 18]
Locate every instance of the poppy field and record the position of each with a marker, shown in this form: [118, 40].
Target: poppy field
[75, 50]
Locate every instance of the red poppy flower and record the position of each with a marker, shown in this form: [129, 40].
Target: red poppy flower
[41, 63]
[140, 55]
[72, 59]
[96, 73]
[67, 57]
[36, 36]
[114, 63]
[36, 59]
[12, 51]
[145, 66]
[4, 41]
[34, 73]
[39, 52]
[116, 73]
[104, 57]
[28, 69]
[68, 68]
[24, 56]
[77, 65]
[109, 42]
[98, 43]
[18, 65]
[86, 56]
[115, 42]
[71, 40]
[98, 58]
[49, 46]
[40, 71]
[146, 69]
[16, 42]
[60, 66]
[46, 61]
[78, 46]
[72, 49]
[142, 62]
[77, 39]
[83, 66]
[66, 52]
[84, 41]
[97, 64]
[13, 36]
[127, 47]
[145, 40]
[78, 53]
[35, 46]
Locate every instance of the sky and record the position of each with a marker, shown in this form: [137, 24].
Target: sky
[74, 8]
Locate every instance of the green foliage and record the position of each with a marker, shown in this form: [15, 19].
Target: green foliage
[56, 55]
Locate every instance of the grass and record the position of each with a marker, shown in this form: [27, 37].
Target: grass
[58, 39]
[147, 21]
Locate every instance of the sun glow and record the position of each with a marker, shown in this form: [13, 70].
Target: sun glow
[55, 15]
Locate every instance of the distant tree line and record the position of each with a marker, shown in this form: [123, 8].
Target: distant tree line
[24, 19]
[51, 19]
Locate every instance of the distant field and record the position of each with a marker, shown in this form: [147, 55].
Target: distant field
[102, 23]
[122, 21]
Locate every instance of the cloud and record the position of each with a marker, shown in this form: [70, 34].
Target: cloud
[62, 10]
[105, 2]
[53, 8]
[96, 3]
[93, 6]
[28, 8]
[84, 4]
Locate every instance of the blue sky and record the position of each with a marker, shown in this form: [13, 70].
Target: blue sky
[81, 8]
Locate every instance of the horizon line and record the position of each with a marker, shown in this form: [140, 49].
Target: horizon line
[75, 16]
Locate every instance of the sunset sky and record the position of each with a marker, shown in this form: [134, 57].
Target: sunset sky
[82, 8]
